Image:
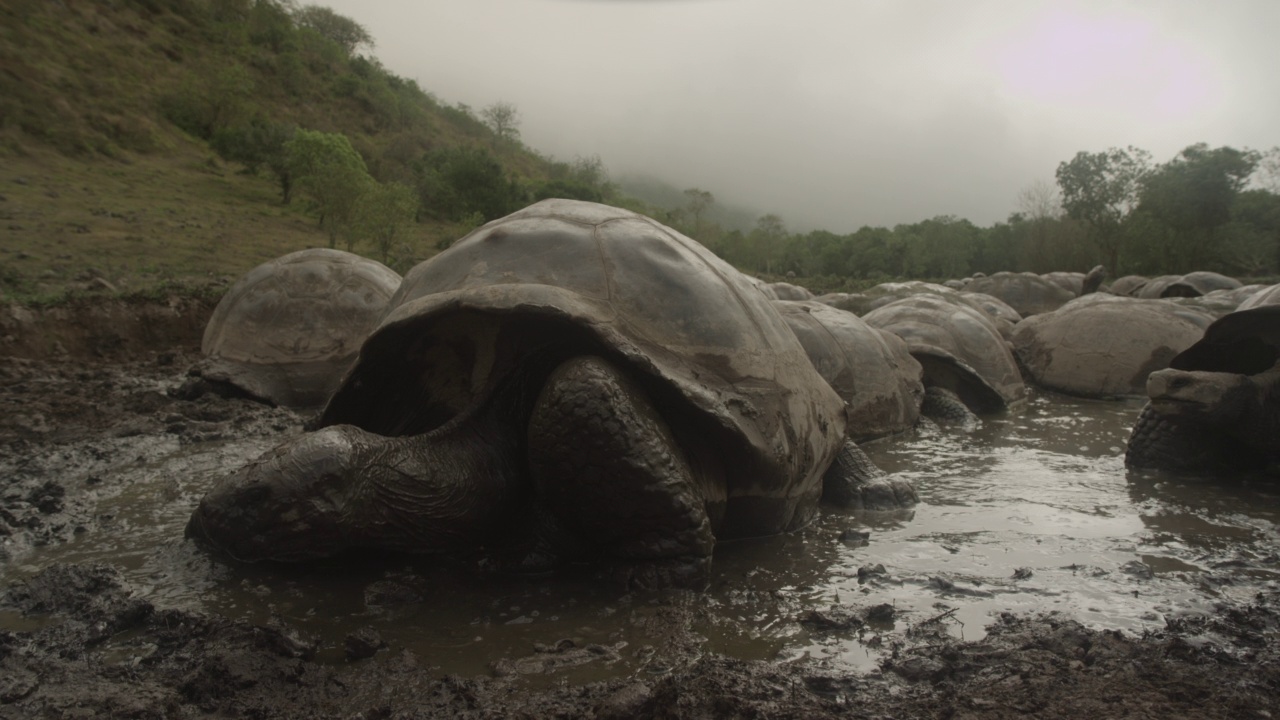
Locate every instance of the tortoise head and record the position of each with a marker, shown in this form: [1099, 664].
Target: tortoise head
[1202, 395]
[286, 505]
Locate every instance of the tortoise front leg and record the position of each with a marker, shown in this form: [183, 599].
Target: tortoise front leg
[853, 482]
[1163, 442]
[606, 466]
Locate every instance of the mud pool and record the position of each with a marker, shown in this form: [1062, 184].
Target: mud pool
[1033, 511]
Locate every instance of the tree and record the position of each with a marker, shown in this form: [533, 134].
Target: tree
[584, 179]
[503, 119]
[873, 253]
[939, 248]
[215, 98]
[1040, 201]
[382, 213]
[347, 33]
[1267, 176]
[699, 201]
[260, 142]
[1039, 237]
[270, 24]
[453, 183]
[1190, 198]
[1252, 238]
[1101, 189]
[326, 168]
[765, 243]
[590, 170]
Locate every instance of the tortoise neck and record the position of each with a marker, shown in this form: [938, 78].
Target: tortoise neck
[1260, 424]
[456, 487]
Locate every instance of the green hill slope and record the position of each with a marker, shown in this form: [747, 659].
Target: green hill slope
[119, 123]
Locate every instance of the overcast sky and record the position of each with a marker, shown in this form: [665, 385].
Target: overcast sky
[843, 113]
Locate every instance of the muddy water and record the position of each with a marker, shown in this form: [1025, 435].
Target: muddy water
[1033, 511]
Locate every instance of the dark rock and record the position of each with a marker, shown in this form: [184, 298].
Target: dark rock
[833, 619]
[867, 571]
[363, 643]
[48, 498]
[882, 613]
[855, 538]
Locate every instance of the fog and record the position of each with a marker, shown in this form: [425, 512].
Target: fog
[838, 113]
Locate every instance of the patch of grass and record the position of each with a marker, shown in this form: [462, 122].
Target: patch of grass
[151, 223]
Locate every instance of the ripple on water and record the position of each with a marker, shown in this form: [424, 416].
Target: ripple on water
[1033, 511]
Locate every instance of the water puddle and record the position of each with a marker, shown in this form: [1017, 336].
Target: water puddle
[1034, 511]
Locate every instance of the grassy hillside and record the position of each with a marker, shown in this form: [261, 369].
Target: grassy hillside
[114, 123]
[180, 217]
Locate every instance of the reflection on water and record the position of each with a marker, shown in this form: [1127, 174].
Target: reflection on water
[1033, 511]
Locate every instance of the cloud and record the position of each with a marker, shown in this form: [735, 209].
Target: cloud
[836, 114]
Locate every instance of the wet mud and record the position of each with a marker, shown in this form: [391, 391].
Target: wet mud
[106, 611]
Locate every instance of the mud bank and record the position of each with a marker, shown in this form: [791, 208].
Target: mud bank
[100, 328]
[78, 639]
[100, 652]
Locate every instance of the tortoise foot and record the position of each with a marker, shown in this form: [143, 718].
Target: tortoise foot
[853, 482]
[609, 470]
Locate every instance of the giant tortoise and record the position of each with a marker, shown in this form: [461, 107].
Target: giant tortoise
[288, 330]
[1217, 407]
[1001, 314]
[881, 385]
[1078, 283]
[1027, 293]
[570, 382]
[1104, 345]
[870, 368]
[786, 291]
[1192, 284]
[1128, 285]
[960, 348]
[880, 295]
[1267, 295]
[861, 303]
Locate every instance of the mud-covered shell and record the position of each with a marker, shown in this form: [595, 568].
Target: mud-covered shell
[1269, 295]
[788, 291]
[1217, 302]
[883, 294]
[288, 330]
[1246, 342]
[1004, 316]
[959, 348]
[870, 368]
[1105, 345]
[1072, 282]
[1027, 293]
[1242, 293]
[1078, 283]
[679, 317]
[876, 296]
[1128, 285]
[1154, 288]
[1193, 284]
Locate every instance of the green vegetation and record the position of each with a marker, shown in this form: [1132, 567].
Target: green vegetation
[1206, 209]
[328, 170]
[177, 143]
[149, 142]
[384, 211]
